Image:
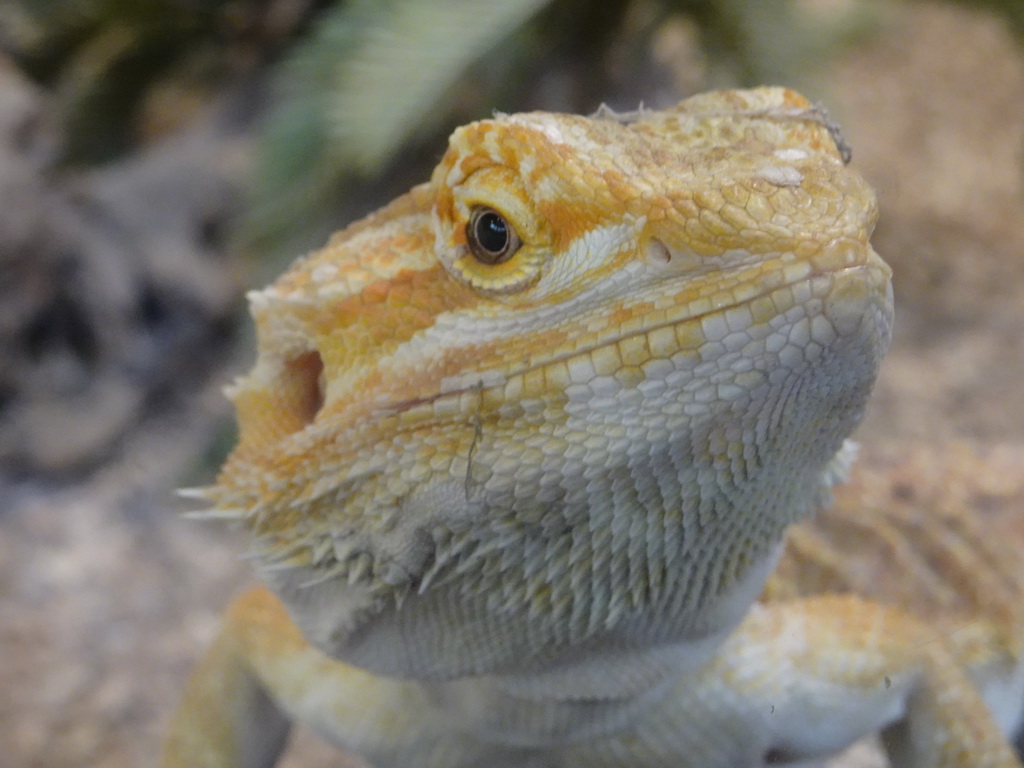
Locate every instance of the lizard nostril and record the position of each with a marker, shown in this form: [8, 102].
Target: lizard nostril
[658, 253]
[304, 383]
[674, 258]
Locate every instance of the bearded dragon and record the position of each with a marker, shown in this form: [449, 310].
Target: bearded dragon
[519, 452]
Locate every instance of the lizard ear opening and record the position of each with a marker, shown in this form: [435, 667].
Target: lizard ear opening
[303, 381]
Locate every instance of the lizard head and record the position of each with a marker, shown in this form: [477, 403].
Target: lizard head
[567, 394]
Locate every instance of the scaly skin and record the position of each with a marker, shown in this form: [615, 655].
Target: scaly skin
[516, 500]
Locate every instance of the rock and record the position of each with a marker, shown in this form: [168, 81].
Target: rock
[115, 294]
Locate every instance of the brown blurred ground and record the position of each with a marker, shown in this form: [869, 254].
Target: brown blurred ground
[106, 597]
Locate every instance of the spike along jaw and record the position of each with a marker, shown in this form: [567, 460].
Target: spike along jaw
[566, 396]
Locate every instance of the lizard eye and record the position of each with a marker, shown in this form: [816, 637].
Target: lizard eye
[492, 240]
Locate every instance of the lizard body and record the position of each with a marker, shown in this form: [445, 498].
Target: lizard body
[519, 451]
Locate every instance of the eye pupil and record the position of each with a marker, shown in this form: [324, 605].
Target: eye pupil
[492, 232]
[491, 239]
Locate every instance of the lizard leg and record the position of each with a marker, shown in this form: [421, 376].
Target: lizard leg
[226, 718]
[804, 679]
[260, 675]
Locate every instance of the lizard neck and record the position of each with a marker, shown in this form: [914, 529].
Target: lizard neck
[604, 689]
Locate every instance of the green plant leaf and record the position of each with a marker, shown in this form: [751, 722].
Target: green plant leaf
[410, 55]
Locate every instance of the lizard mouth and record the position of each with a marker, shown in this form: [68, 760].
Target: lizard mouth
[744, 291]
[736, 309]
[771, 316]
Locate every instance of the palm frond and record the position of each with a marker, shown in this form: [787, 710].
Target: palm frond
[373, 73]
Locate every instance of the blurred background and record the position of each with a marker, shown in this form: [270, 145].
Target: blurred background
[159, 157]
